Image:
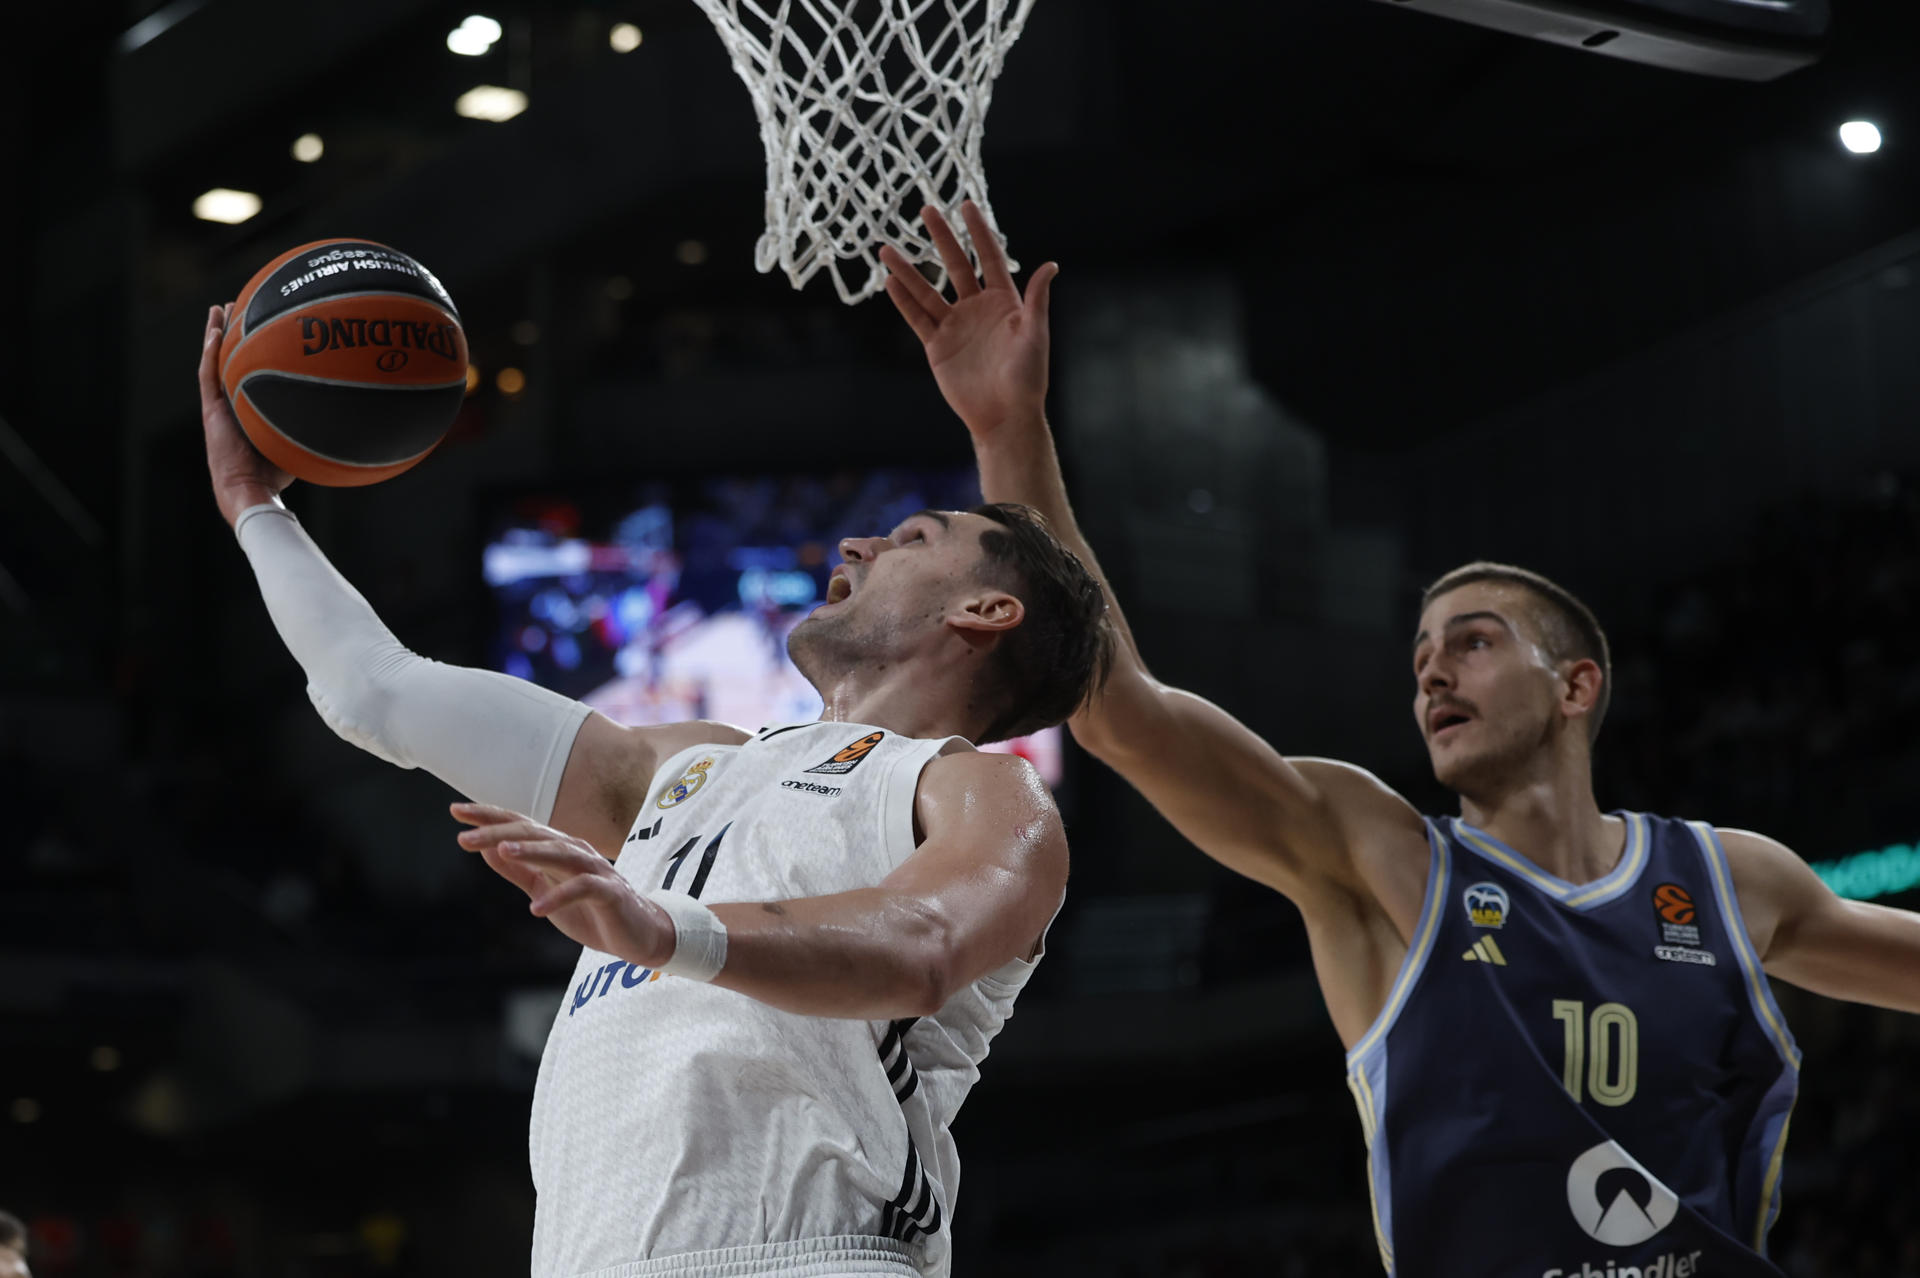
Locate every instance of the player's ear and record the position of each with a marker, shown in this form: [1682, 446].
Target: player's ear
[988, 613]
[1582, 694]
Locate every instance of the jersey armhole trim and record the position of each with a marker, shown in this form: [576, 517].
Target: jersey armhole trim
[902, 786]
[1416, 960]
[1759, 992]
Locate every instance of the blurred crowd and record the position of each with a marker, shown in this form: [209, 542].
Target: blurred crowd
[1778, 690]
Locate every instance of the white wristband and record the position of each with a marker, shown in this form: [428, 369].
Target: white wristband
[699, 937]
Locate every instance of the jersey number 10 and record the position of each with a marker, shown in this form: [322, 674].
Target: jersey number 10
[1603, 1051]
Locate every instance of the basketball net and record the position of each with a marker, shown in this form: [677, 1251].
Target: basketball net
[864, 120]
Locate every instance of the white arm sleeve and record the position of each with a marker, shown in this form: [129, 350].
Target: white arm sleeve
[494, 738]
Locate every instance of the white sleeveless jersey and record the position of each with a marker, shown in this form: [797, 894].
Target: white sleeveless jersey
[680, 1128]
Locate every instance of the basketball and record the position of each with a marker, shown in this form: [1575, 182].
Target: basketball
[344, 361]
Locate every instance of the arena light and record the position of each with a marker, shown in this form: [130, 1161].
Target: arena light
[474, 36]
[490, 102]
[625, 37]
[308, 147]
[511, 381]
[223, 205]
[1861, 137]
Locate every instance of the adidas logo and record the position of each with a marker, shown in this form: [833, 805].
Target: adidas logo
[1485, 950]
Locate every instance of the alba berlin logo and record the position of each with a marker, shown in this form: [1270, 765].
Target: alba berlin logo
[1616, 1200]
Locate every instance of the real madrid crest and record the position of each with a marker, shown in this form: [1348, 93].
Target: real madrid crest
[686, 787]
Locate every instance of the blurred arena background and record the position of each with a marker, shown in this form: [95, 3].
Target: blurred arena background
[1349, 295]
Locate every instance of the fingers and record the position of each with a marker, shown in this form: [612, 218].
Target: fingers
[1040, 292]
[513, 870]
[924, 326]
[572, 892]
[925, 295]
[485, 814]
[210, 395]
[554, 857]
[986, 246]
[492, 836]
[952, 256]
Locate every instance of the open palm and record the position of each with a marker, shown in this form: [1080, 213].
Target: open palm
[568, 884]
[987, 347]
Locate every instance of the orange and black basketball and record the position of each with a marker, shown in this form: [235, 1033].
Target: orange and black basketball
[344, 361]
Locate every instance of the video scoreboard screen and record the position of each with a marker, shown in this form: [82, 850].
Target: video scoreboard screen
[672, 601]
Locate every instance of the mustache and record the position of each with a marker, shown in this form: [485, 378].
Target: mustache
[1446, 705]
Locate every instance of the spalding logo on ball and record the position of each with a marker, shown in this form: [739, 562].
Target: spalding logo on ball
[344, 361]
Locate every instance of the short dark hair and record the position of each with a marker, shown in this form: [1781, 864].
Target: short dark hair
[13, 1234]
[1568, 626]
[1048, 666]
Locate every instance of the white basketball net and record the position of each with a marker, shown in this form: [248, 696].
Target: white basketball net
[864, 104]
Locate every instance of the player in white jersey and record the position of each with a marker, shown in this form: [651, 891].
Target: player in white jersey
[797, 944]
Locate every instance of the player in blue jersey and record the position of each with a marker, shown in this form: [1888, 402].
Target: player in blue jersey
[1562, 1044]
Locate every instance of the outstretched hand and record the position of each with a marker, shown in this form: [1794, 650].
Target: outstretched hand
[241, 476]
[988, 346]
[569, 884]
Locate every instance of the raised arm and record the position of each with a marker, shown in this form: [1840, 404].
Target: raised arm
[1810, 937]
[977, 893]
[1292, 824]
[490, 736]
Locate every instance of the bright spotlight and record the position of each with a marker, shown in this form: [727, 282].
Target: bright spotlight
[1860, 137]
[222, 205]
[308, 147]
[474, 36]
[625, 37]
[490, 102]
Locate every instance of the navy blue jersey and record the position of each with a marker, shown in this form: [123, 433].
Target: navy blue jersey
[1577, 1080]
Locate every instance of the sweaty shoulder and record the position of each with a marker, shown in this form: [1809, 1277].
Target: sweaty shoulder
[961, 769]
[962, 784]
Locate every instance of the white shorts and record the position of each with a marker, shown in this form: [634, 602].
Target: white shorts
[848, 1255]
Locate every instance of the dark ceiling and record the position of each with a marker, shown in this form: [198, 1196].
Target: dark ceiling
[1483, 215]
[1425, 222]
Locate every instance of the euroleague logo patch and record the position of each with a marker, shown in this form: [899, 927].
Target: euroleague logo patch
[686, 787]
[1674, 904]
[1679, 927]
[850, 756]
